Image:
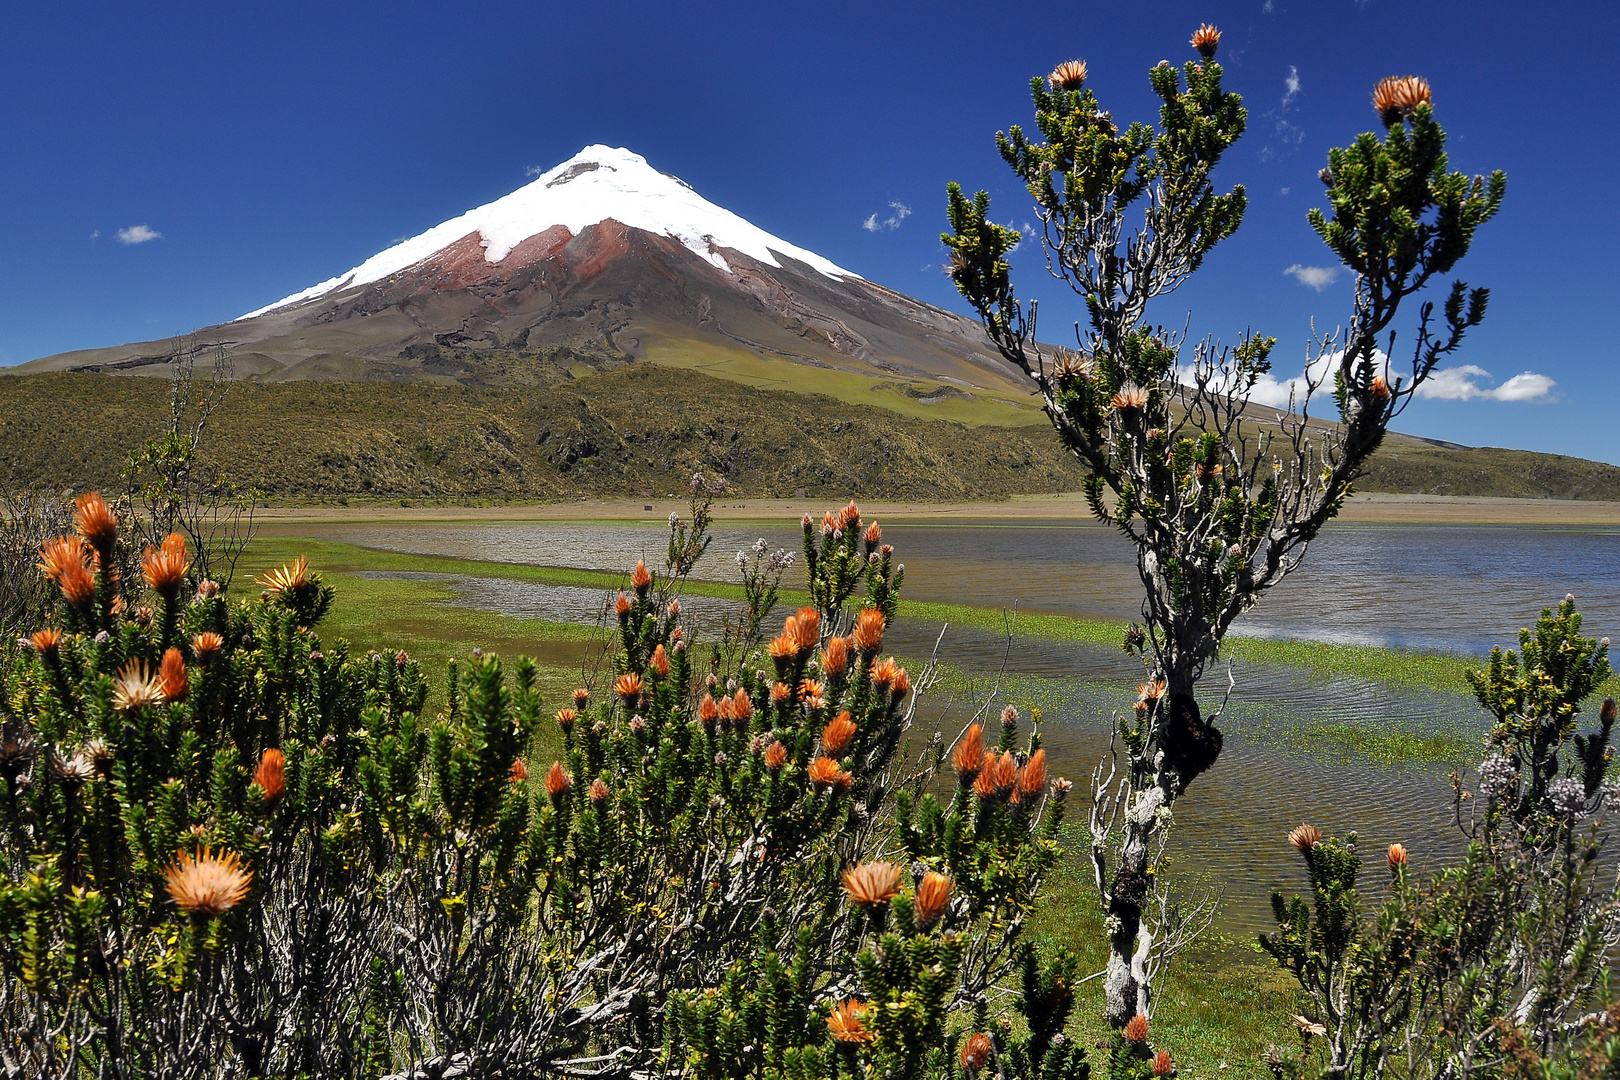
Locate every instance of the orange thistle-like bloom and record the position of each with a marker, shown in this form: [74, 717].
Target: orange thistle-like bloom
[95, 521]
[172, 675]
[775, 756]
[849, 515]
[1137, 1030]
[872, 884]
[1032, 777]
[628, 685]
[206, 645]
[780, 692]
[1130, 396]
[288, 578]
[785, 646]
[837, 735]
[1397, 96]
[1206, 39]
[557, 780]
[136, 687]
[660, 661]
[932, 895]
[900, 684]
[1379, 389]
[708, 709]
[1069, 75]
[641, 580]
[883, 672]
[621, 606]
[165, 568]
[810, 694]
[581, 696]
[1209, 472]
[742, 707]
[1162, 1065]
[270, 774]
[1305, 838]
[60, 554]
[1150, 691]
[825, 773]
[206, 884]
[829, 523]
[47, 642]
[1396, 856]
[835, 661]
[969, 756]
[805, 629]
[873, 535]
[847, 1022]
[566, 718]
[976, 1052]
[519, 772]
[598, 793]
[998, 779]
[78, 586]
[868, 636]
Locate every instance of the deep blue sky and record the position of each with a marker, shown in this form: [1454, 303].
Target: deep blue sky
[274, 145]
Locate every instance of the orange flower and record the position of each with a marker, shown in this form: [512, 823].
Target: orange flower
[581, 696]
[598, 793]
[785, 646]
[95, 521]
[1069, 75]
[172, 675]
[883, 673]
[708, 709]
[873, 536]
[901, 683]
[1397, 96]
[780, 692]
[1379, 389]
[872, 884]
[207, 884]
[136, 687]
[742, 707]
[1137, 1030]
[998, 779]
[810, 693]
[47, 642]
[1305, 838]
[932, 896]
[1150, 692]
[976, 1053]
[849, 515]
[805, 628]
[621, 606]
[270, 774]
[165, 568]
[775, 756]
[60, 554]
[868, 636]
[628, 686]
[289, 578]
[835, 661]
[829, 523]
[557, 780]
[566, 718]
[1397, 856]
[660, 661]
[1032, 777]
[641, 580]
[968, 759]
[1162, 1065]
[825, 773]
[836, 736]
[846, 1022]
[1206, 40]
[206, 645]
[519, 772]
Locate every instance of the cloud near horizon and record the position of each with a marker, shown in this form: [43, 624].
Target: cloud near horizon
[138, 234]
[1317, 277]
[1461, 383]
[899, 212]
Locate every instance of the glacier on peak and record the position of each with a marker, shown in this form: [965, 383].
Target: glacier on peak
[598, 183]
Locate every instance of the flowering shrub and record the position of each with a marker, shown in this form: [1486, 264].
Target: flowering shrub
[231, 848]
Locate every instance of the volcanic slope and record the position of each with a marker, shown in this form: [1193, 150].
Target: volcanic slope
[600, 262]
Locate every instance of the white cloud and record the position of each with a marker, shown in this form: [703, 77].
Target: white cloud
[1462, 384]
[95, 234]
[899, 212]
[1291, 84]
[534, 170]
[1268, 7]
[138, 234]
[1317, 277]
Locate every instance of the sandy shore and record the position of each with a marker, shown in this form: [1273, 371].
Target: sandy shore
[1394, 509]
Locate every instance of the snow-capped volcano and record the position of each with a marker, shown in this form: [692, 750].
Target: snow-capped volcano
[595, 185]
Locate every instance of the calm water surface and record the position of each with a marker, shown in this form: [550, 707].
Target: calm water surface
[1442, 588]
